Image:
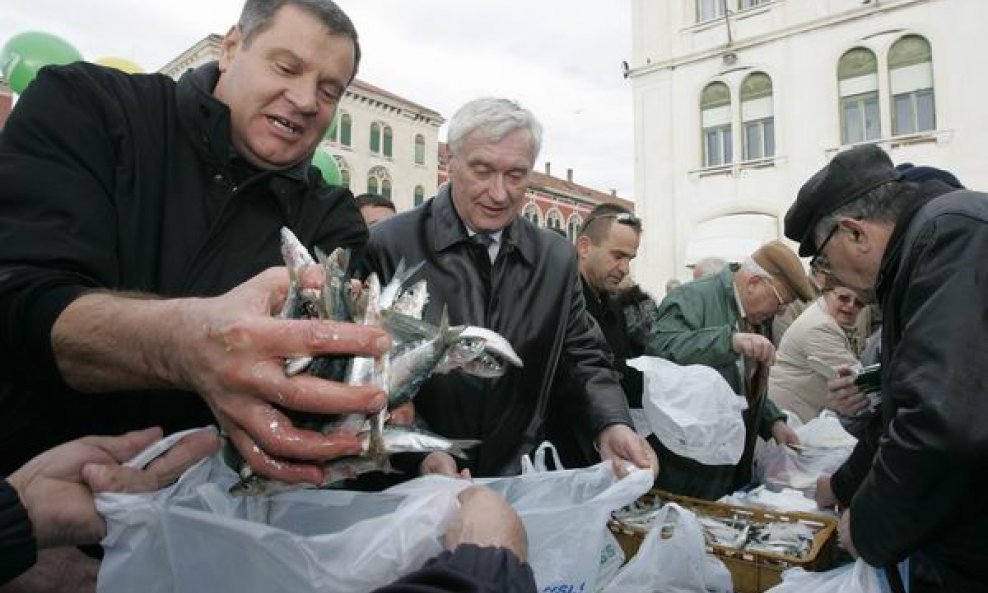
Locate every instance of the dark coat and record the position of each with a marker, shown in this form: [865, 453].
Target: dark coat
[532, 296]
[129, 182]
[925, 489]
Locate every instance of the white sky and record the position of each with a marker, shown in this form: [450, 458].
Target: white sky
[560, 58]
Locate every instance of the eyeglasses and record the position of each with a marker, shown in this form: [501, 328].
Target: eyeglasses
[820, 262]
[625, 218]
[846, 299]
[775, 291]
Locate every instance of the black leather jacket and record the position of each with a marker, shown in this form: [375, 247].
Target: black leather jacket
[532, 296]
[926, 486]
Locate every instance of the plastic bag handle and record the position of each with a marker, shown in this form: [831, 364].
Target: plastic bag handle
[535, 463]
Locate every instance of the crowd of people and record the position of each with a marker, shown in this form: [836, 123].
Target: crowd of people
[139, 286]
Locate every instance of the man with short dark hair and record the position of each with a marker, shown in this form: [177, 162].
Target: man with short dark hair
[487, 265]
[374, 208]
[607, 242]
[918, 248]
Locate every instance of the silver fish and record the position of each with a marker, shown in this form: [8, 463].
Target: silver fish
[412, 301]
[409, 439]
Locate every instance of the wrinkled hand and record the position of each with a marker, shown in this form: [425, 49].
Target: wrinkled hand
[231, 353]
[844, 534]
[621, 445]
[843, 395]
[754, 346]
[57, 486]
[825, 497]
[784, 434]
[442, 464]
[487, 520]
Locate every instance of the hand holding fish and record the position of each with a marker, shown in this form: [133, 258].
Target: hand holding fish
[622, 445]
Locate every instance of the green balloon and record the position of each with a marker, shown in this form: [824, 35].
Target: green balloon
[327, 166]
[26, 53]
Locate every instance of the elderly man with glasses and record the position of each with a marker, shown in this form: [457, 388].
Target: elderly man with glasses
[919, 247]
[720, 321]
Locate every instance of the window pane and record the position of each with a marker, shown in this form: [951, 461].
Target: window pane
[386, 189]
[752, 141]
[345, 178]
[712, 151]
[857, 62]
[345, 124]
[853, 129]
[873, 125]
[419, 150]
[768, 130]
[902, 110]
[419, 195]
[375, 138]
[387, 140]
[728, 145]
[925, 111]
[372, 185]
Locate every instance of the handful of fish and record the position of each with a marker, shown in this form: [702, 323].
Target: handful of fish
[419, 350]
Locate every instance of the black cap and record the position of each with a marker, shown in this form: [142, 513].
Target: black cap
[848, 176]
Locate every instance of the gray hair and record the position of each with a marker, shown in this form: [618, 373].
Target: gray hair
[257, 15]
[883, 203]
[494, 119]
[708, 266]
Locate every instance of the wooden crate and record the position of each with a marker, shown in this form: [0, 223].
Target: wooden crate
[751, 572]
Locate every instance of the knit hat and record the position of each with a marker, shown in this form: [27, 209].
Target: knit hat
[784, 266]
[911, 172]
[848, 176]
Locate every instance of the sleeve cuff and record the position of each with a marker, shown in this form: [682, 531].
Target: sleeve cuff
[18, 548]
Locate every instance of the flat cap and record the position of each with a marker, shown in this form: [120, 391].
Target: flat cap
[784, 266]
[848, 176]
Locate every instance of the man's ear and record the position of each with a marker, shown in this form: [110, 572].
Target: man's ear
[858, 232]
[229, 46]
[583, 246]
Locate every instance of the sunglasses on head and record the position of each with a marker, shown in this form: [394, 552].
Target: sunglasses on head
[625, 218]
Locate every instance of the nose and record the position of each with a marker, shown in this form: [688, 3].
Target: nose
[304, 95]
[497, 188]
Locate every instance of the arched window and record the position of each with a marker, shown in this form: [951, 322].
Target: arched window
[857, 76]
[419, 195]
[379, 181]
[532, 214]
[709, 9]
[554, 220]
[346, 124]
[344, 168]
[715, 114]
[573, 227]
[387, 141]
[911, 81]
[757, 116]
[375, 137]
[419, 149]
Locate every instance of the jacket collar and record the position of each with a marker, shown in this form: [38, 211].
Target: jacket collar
[207, 121]
[449, 230]
[928, 191]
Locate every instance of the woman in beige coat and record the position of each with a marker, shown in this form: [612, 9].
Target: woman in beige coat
[794, 384]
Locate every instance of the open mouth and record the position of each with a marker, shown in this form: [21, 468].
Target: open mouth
[285, 125]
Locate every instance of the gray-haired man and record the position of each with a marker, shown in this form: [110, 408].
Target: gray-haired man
[488, 266]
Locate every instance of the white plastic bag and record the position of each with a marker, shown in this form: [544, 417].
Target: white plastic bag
[826, 445]
[193, 536]
[692, 410]
[672, 559]
[851, 578]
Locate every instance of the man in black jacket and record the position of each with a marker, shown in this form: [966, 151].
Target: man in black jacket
[918, 248]
[488, 266]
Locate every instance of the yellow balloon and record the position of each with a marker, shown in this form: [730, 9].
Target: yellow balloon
[121, 64]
